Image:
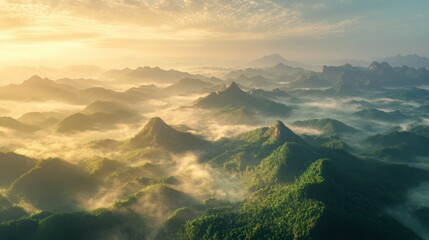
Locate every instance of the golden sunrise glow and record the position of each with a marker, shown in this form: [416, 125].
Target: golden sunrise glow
[214, 119]
[117, 33]
[138, 31]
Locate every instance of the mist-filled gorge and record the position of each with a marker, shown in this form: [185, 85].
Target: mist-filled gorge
[158, 120]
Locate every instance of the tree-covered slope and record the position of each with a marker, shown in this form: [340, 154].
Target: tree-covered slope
[401, 146]
[302, 192]
[98, 224]
[53, 184]
[332, 199]
[12, 166]
[327, 126]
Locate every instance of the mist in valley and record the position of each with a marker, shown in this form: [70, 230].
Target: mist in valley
[126, 120]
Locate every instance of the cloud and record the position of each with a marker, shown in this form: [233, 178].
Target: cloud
[54, 37]
[12, 18]
[220, 18]
[204, 182]
[155, 30]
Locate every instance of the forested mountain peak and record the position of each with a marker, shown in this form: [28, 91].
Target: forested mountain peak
[281, 132]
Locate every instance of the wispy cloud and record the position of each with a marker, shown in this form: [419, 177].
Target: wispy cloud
[190, 18]
[161, 27]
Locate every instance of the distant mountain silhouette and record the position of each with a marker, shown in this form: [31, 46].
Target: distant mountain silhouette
[309, 82]
[147, 75]
[81, 83]
[17, 126]
[43, 89]
[107, 107]
[332, 73]
[233, 96]
[40, 89]
[18, 73]
[274, 59]
[40, 119]
[273, 94]
[254, 82]
[269, 60]
[277, 72]
[97, 116]
[150, 91]
[354, 62]
[414, 61]
[378, 115]
[248, 72]
[378, 75]
[104, 94]
[188, 85]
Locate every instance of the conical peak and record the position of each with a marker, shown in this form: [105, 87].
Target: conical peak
[155, 122]
[233, 89]
[233, 86]
[279, 129]
[283, 133]
[35, 78]
[157, 134]
[154, 127]
[279, 125]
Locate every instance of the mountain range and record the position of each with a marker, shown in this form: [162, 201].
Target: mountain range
[378, 75]
[379, 115]
[98, 115]
[43, 89]
[275, 58]
[414, 61]
[278, 72]
[270, 152]
[147, 75]
[314, 186]
[311, 192]
[187, 86]
[233, 97]
[329, 127]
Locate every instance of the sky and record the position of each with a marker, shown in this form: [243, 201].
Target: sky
[119, 33]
